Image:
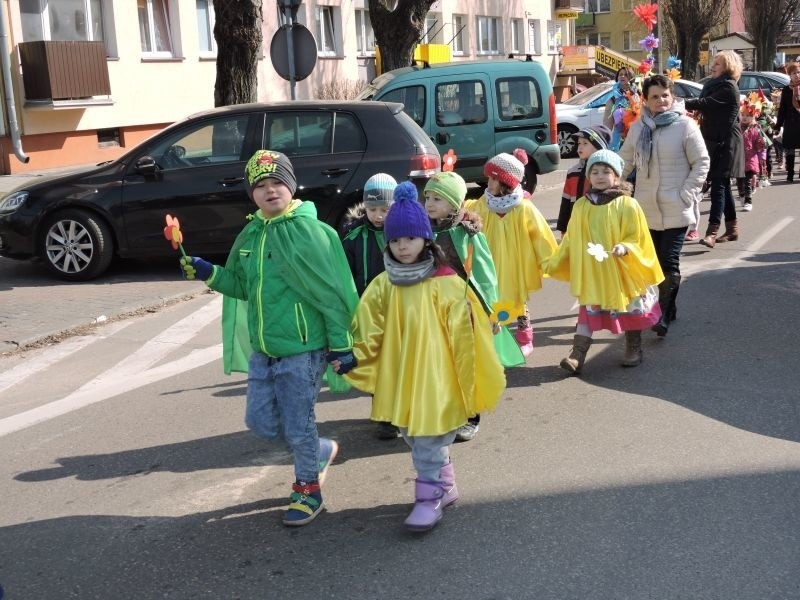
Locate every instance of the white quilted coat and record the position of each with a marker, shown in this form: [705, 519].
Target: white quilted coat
[678, 167]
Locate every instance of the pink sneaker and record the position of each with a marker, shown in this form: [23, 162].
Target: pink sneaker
[692, 235]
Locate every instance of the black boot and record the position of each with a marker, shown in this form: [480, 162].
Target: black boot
[790, 166]
[667, 300]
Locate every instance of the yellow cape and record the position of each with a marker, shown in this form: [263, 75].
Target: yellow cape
[613, 282]
[519, 241]
[426, 352]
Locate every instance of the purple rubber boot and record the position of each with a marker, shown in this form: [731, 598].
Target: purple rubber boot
[448, 482]
[428, 506]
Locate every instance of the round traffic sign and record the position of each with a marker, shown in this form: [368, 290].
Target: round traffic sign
[305, 51]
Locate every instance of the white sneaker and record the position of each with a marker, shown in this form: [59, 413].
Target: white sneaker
[747, 207]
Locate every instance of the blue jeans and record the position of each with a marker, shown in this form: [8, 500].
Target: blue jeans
[429, 453]
[721, 201]
[281, 394]
[668, 244]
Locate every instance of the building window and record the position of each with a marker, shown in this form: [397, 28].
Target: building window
[459, 43]
[488, 35]
[78, 20]
[534, 37]
[598, 6]
[553, 37]
[628, 43]
[205, 27]
[154, 27]
[433, 29]
[596, 39]
[326, 31]
[365, 37]
[517, 41]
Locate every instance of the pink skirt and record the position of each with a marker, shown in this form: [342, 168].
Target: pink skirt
[618, 322]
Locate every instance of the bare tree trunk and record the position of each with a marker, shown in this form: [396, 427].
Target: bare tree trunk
[691, 20]
[398, 31]
[765, 22]
[238, 34]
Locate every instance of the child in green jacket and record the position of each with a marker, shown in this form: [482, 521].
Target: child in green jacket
[287, 279]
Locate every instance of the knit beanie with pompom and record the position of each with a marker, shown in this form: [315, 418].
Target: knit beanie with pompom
[406, 216]
[508, 169]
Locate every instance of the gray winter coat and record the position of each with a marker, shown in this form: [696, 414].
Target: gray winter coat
[678, 166]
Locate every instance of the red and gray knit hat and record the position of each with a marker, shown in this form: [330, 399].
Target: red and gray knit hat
[508, 169]
[269, 163]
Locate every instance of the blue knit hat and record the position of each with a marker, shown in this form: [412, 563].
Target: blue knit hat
[407, 217]
[607, 157]
[379, 190]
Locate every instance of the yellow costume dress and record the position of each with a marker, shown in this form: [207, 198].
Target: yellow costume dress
[426, 353]
[607, 282]
[519, 241]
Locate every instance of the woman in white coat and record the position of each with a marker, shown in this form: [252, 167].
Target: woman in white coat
[668, 152]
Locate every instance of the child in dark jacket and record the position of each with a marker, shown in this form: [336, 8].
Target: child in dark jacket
[576, 184]
[362, 238]
[364, 244]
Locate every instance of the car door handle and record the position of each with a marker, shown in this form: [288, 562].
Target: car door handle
[442, 137]
[334, 172]
[230, 181]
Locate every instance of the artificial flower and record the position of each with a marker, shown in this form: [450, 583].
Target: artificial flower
[173, 232]
[649, 43]
[644, 67]
[673, 74]
[597, 251]
[673, 62]
[449, 160]
[504, 313]
[647, 14]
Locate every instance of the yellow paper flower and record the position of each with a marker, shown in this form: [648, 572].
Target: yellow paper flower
[506, 312]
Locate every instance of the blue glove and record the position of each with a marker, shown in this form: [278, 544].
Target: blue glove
[346, 358]
[196, 268]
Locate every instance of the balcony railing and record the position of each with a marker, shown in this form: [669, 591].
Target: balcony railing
[54, 70]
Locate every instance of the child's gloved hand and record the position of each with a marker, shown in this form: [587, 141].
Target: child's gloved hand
[194, 267]
[619, 250]
[342, 362]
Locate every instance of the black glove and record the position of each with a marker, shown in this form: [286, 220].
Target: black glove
[196, 268]
[346, 359]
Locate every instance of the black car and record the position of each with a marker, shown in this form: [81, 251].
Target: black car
[194, 170]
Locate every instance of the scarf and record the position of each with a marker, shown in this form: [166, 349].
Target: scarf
[503, 204]
[600, 197]
[402, 274]
[644, 145]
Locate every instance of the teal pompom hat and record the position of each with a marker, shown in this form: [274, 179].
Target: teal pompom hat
[407, 217]
[606, 157]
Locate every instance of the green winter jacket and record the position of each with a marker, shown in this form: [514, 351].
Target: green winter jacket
[287, 280]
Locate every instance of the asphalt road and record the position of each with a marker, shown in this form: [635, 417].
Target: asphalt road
[127, 471]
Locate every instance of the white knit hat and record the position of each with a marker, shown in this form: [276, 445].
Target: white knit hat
[507, 168]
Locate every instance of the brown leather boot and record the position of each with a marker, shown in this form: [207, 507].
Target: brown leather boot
[710, 238]
[574, 362]
[633, 349]
[731, 232]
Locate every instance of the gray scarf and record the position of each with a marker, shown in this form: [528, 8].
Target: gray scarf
[402, 274]
[644, 145]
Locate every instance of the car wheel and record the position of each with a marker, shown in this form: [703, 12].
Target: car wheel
[76, 245]
[566, 143]
[530, 180]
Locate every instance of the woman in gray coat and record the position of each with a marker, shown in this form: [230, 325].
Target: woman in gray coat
[668, 152]
[719, 106]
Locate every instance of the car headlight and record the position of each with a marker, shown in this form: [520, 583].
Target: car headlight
[13, 201]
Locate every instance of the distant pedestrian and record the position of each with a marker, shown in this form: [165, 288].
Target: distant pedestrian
[291, 270]
[789, 118]
[719, 106]
[607, 255]
[424, 348]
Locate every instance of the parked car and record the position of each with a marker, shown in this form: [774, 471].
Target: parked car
[752, 81]
[587, 108]
[479, 109]
[194, 170]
